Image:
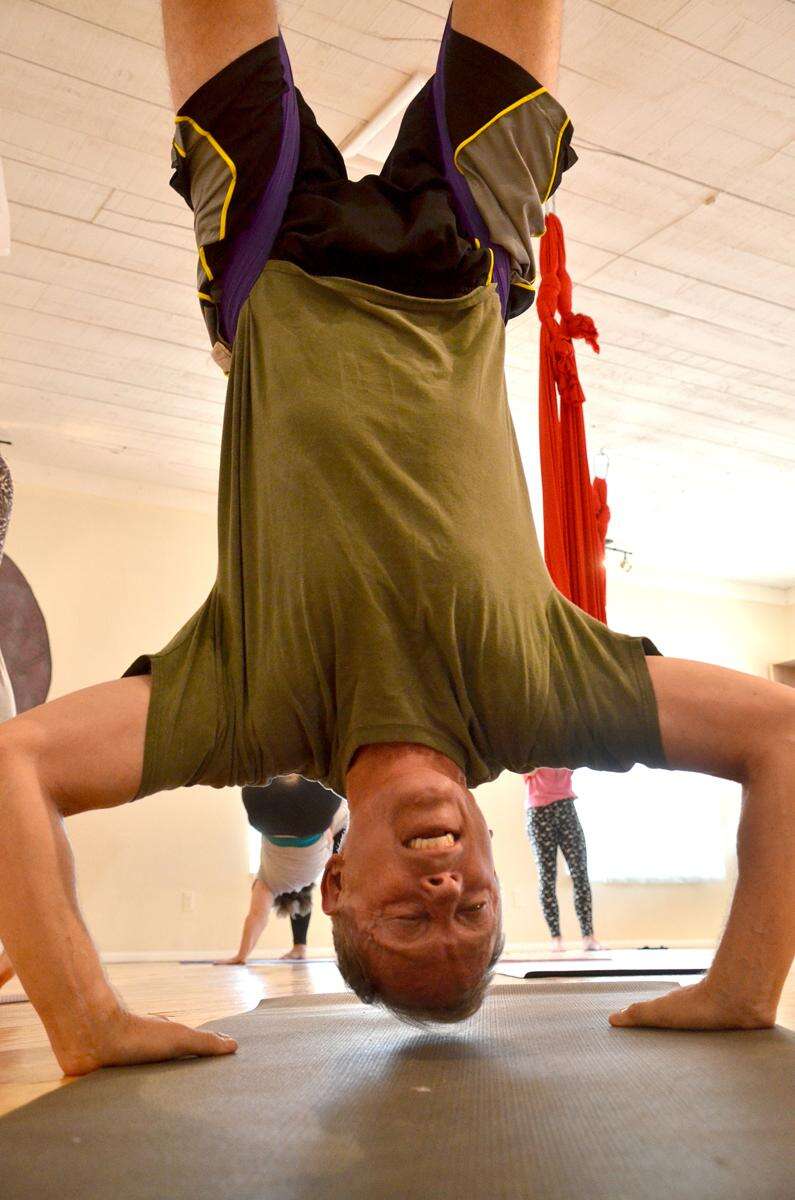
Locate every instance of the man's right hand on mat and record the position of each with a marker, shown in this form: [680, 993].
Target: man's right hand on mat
[126, 1040]
[237, 961]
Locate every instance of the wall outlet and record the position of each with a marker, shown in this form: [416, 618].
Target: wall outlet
[188, 902]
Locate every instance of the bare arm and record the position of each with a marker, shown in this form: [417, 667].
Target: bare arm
[204, 36]
[741, 728]
[256, 919]
[81, 752]
[528, 31]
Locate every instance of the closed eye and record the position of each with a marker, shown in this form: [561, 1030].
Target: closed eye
[467, 910]
[414, 920]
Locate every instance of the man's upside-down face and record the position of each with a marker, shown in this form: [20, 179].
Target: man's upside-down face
[415, 879]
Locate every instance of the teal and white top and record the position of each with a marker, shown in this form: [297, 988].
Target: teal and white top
[288, 864]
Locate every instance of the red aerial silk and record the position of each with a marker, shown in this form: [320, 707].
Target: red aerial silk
[576, 515]
[575, 510]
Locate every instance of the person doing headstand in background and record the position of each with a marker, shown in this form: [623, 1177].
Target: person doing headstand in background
[302, 824]
[552, 822]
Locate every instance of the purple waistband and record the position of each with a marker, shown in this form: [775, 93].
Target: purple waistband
[252, 246]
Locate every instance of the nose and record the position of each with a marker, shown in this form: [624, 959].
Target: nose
[445, 885]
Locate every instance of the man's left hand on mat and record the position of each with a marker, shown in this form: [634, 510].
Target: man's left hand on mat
[693, 1007]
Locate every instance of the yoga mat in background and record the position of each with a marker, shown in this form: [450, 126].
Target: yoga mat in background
[550, 971]
[612, 964]
[536, 1098]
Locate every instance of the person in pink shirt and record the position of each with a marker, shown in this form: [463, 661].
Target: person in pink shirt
[552, 821]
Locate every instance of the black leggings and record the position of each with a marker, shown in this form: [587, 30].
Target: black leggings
[548, 827]
[300, 928]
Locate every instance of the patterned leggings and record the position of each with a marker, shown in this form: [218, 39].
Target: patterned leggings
[548, 827]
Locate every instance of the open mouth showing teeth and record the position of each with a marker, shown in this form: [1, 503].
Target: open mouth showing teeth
[438, 842]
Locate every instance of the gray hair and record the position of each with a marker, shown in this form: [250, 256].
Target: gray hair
[354, 971]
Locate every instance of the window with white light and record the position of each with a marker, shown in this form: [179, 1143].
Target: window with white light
[656, 826]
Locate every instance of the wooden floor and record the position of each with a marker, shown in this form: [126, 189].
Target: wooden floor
[192, 993]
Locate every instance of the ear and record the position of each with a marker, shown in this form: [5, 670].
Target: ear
[331, 885]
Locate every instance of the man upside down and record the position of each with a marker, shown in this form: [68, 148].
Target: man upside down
[382, 620]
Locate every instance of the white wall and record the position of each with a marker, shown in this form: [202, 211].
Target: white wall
[118, 577]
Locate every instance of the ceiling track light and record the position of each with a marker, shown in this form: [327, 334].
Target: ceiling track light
[625, 562]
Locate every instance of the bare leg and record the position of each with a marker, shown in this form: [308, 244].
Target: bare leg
[528, 31]
[82, 752]
[742, 728]
[204, 36]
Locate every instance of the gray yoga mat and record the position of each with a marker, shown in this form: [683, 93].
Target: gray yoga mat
[535, 1099]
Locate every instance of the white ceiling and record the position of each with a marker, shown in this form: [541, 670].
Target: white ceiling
[680, 218]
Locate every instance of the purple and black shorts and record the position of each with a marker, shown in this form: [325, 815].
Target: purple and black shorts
[456, 204]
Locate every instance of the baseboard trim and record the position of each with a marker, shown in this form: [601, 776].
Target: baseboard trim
[143, 956]
[512, 950]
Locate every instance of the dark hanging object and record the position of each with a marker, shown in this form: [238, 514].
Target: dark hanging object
[23, 637]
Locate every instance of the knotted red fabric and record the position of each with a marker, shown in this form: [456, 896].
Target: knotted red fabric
[575, 510]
